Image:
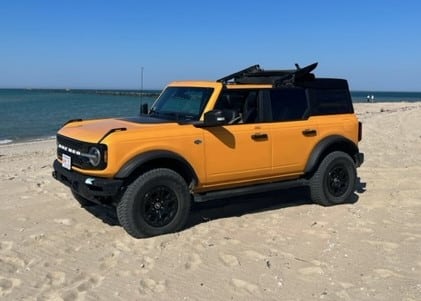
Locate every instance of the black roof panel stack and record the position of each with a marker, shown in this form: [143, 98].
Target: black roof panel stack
[278, 78]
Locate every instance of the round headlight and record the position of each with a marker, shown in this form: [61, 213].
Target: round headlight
[94, 156]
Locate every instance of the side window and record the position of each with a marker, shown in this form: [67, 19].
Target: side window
[288, 104]
[239, 106]
[330, 101]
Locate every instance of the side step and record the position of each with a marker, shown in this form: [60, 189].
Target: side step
[227, 193]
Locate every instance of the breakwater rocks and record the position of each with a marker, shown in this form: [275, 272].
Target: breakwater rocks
[147, 93]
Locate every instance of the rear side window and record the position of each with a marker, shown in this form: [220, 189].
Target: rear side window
[288, 104]
[330, 101]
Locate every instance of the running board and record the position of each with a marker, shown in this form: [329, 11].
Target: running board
[227, 193]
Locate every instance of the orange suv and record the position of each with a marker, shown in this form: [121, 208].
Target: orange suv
[254, 130]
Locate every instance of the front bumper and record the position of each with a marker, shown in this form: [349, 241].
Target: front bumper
[91, 188]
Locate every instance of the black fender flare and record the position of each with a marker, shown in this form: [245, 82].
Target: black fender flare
[327, 145]
[136, 162]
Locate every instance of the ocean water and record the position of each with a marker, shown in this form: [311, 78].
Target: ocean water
[381, 96]
[37, 114]
[27, 115]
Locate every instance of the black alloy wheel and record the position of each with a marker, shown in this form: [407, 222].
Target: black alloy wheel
[337, 180]
[159, 206]
[334, 180]
[157, 202]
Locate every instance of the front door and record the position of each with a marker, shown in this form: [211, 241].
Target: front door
[237, 153]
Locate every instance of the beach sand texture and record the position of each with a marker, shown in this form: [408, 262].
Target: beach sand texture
[271, 247]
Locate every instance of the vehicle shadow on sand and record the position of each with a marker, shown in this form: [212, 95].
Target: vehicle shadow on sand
[249, 204]
[235, 206]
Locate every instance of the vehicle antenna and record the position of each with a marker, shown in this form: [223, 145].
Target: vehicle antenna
[141, 91]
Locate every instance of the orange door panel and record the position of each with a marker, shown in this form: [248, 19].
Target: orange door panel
[237, 152]
[292, 144]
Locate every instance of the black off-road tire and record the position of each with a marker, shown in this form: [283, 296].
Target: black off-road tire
[334, 180]
[81, 200]
[157, 202]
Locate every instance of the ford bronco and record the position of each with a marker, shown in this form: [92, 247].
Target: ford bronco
[251, 131]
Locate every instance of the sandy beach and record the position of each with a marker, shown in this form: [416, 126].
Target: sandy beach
[277, 246]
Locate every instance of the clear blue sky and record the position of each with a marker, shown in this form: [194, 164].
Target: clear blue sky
[375, 44]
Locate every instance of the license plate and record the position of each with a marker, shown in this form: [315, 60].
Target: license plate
[66, 162]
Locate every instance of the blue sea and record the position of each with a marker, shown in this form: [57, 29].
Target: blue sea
[27, 115]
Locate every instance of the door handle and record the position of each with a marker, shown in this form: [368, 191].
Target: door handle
[309, 132]
[259, 136]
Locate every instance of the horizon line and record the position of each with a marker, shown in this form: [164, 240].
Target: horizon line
[156, 89]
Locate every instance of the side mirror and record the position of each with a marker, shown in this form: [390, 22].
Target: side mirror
[214, 118]
[144, 109]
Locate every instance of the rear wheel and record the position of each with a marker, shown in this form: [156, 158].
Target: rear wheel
[157, 202]
[334, 180]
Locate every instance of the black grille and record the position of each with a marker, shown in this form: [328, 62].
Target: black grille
[72, 148]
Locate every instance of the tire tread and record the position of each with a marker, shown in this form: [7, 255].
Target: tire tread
[127, 217]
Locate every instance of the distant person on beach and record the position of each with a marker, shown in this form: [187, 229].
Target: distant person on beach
[370, 98]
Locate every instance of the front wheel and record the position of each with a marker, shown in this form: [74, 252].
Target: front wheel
[157, 202]
[334, 180]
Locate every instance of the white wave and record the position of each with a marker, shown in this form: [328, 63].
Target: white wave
[5, 141]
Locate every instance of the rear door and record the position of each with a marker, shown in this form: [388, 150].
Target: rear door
[293, 132]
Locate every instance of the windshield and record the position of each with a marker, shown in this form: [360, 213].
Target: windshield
[181, 103]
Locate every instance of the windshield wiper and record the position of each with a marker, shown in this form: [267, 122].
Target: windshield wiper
[176, 116]
[154, 113]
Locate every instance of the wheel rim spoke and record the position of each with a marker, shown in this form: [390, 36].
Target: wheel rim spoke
[338, 180]
[160, 206]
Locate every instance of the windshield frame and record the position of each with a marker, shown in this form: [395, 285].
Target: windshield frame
[181, 103]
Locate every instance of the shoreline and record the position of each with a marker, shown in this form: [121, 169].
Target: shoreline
[23, 141]
[28, 147]
[368, 106]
